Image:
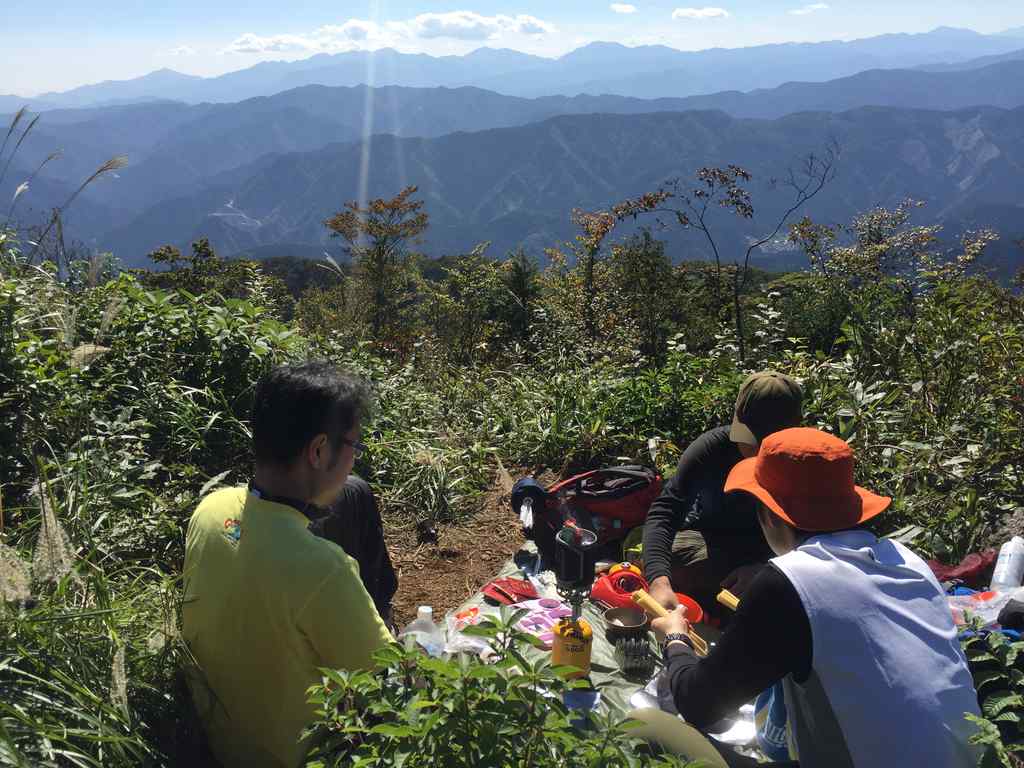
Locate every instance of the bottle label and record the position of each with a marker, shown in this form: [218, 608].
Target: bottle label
[572, 645]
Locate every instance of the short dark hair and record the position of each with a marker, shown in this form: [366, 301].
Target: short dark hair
[295, 403]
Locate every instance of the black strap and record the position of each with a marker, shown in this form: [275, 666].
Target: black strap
[614, 482]
[310, 510]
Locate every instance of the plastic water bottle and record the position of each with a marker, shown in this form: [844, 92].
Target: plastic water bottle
[424, 631]
[1009, 570]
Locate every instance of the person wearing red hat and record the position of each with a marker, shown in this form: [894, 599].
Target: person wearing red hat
[857, 628]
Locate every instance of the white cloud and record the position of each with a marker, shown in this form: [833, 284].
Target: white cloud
[467, 25]
[531, 25]
[250, 43]
[809, 9]
[359, 33]
[183, 50]
[700, 13]
[623, 8]
[354, 30]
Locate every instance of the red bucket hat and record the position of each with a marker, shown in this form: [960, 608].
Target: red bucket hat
[805, 476]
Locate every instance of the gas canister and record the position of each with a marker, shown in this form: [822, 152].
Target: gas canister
[572, 645]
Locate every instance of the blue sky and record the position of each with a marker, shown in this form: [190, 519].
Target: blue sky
[64, 43]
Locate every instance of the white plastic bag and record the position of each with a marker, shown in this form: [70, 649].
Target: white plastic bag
[984, 605]
[458, 641]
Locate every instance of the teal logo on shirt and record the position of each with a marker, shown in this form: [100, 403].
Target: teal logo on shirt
[232, 531]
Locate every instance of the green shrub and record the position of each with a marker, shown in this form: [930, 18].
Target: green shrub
[999, 678]
[420, 711]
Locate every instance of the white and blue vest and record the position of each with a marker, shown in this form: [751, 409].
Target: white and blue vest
[889, 683]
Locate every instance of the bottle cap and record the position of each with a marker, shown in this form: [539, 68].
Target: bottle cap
[425, 612]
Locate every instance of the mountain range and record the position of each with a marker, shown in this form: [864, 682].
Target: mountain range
[517, 185]
[598, 68]
[175, 149]
[260, 174]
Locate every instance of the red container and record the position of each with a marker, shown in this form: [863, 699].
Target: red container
[694, 613]
[615, 590]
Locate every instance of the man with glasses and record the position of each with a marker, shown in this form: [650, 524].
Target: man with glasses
[267, 603]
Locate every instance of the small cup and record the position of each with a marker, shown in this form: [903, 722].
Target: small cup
[625, 623]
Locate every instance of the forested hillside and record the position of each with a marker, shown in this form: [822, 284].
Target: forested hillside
[510, 186]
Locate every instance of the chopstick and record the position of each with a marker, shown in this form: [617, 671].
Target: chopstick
[642, 598]
[728, 599]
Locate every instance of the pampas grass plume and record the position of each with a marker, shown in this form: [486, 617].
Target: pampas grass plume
[14, 576]
[53, 557]
[119, 682]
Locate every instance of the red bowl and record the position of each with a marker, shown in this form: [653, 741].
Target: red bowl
[694, 613]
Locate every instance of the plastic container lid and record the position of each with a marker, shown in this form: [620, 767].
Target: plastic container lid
[425, 612]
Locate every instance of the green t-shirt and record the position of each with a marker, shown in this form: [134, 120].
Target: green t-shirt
[267, 603]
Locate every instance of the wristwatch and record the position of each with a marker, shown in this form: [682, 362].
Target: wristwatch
[673, 637]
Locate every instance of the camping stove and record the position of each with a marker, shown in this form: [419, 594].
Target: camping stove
[575, 558]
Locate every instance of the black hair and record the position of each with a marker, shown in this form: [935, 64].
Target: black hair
[295, 403]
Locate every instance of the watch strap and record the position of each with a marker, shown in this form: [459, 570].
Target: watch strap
[672, 637]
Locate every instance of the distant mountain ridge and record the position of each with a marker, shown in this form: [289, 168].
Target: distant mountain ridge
[176, 149]
[979, 63]
[597, 68]
[10, 104]
[155, 86]
[516, 186]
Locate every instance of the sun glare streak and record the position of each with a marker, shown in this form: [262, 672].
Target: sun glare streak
[398, 139]
[366, 159]
[367, 149]
[397, 126]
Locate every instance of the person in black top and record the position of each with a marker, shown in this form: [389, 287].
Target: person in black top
[353, 522]
[698, 540]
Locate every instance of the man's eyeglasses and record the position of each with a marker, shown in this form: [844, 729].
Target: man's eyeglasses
[358, 448]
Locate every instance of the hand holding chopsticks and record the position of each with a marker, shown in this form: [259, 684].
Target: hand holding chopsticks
[657, 611]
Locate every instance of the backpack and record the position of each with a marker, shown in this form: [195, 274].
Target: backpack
[610, 502]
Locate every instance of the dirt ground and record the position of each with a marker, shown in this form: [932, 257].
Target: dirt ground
[465, 557]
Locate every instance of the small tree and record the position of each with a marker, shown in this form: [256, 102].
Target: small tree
[464, 305]
[594, 226]
[377, 237]
[521, 278]
[203, 271]
[725, 188]
[643, 277]
[885, 267]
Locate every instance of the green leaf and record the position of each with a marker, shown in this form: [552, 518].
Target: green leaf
[482, 673]
[1000, 701]
[393, 731]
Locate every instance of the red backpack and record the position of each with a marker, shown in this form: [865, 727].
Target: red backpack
[609, 501]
